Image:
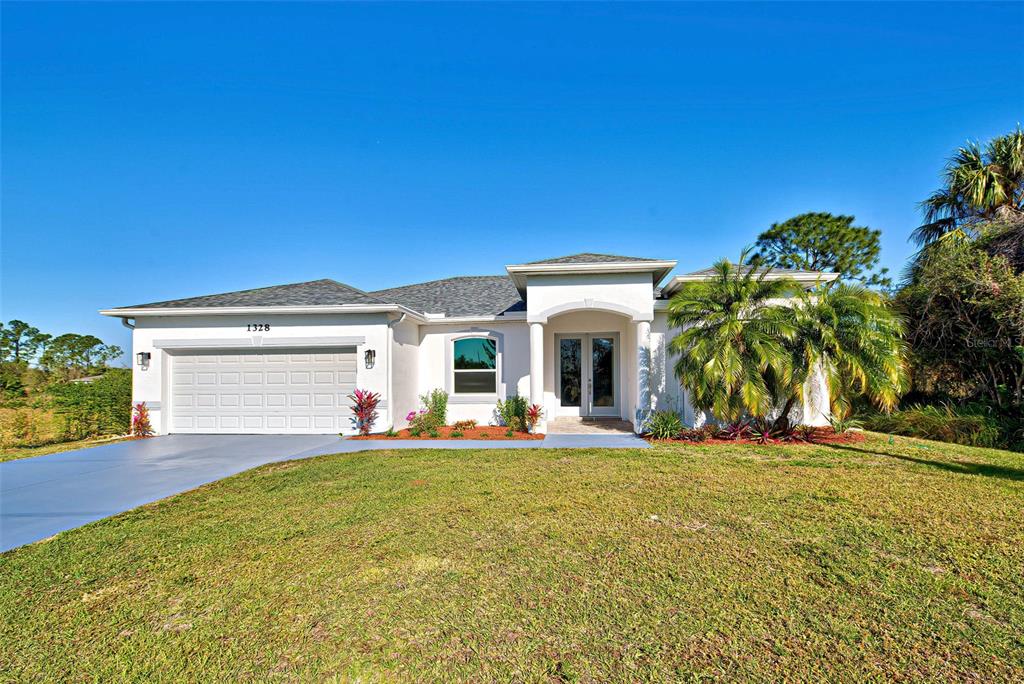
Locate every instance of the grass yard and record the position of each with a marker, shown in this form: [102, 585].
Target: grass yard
[844, 563]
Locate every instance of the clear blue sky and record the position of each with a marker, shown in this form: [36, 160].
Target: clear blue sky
[166, 150]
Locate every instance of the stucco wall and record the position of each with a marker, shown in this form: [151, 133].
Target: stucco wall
[513, 365]
[152, 384]
[629, 293]
[405, 359]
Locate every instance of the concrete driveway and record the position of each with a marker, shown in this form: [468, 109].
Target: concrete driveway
[44, 495]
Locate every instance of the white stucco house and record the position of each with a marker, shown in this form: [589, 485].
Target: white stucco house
[582, 335]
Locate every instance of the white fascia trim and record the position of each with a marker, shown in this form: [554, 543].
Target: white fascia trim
[515, 316]
[253, 310]
[661, 268]
[805, 277]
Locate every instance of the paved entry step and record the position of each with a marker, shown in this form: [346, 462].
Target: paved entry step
[565, 425]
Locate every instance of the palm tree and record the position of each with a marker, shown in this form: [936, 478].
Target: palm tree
[733, 354]
[749, 343]
[852, 334]
[979, 185]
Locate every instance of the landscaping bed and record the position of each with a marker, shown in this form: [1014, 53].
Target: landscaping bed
[493, 432]
[822, 435]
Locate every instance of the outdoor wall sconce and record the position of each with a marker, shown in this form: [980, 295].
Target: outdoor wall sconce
[143, 359]
[370, 357]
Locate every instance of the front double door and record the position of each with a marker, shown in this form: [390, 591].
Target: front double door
[587, 378]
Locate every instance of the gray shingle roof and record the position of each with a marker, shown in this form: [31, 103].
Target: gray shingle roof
[589, 258]
[324, 292]
[462, 296]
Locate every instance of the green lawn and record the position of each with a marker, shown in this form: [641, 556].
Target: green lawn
[868, 561]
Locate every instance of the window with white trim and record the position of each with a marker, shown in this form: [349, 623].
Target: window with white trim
[475, 365]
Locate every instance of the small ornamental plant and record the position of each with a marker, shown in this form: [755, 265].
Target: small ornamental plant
[533, 415]
[141, 427]
[421, 421]
[364, 408]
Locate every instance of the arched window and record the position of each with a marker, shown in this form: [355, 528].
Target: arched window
[475, 365]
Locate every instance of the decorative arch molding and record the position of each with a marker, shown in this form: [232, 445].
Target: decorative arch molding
[591, 305]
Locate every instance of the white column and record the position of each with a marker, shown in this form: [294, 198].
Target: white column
[643, 372]
[537, 363]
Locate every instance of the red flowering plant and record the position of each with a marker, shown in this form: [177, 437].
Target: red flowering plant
[364, 406]
[141, 426]
[533, 415]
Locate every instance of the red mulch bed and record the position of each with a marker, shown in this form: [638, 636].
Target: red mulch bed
[479, 432]
[823, 435]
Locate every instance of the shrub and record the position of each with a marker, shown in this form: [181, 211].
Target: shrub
[101, 407]
[736, 430]
[436, 404]
[391, 432]
[700, 434]
[141, 427]
[432, 432]
[509, 433]
[513, 412]
[842, 424]
[533, 415]
[455, 434]
[969, 425]
[663, 425]
[805, 433]
[415, 431]
[364, 408]
[462, 425]
[420, 421]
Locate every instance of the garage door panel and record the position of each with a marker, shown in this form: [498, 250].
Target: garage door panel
[266, 392]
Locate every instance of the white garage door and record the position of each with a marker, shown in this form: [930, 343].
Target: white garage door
[273, 392]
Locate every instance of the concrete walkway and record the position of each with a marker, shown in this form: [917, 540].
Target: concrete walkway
[44, 495]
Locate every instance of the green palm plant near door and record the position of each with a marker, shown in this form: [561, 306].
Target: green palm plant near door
[733, 347]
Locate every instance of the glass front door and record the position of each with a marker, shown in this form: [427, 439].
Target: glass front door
[588, 375]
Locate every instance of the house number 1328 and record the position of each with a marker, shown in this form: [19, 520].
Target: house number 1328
[258, 327]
